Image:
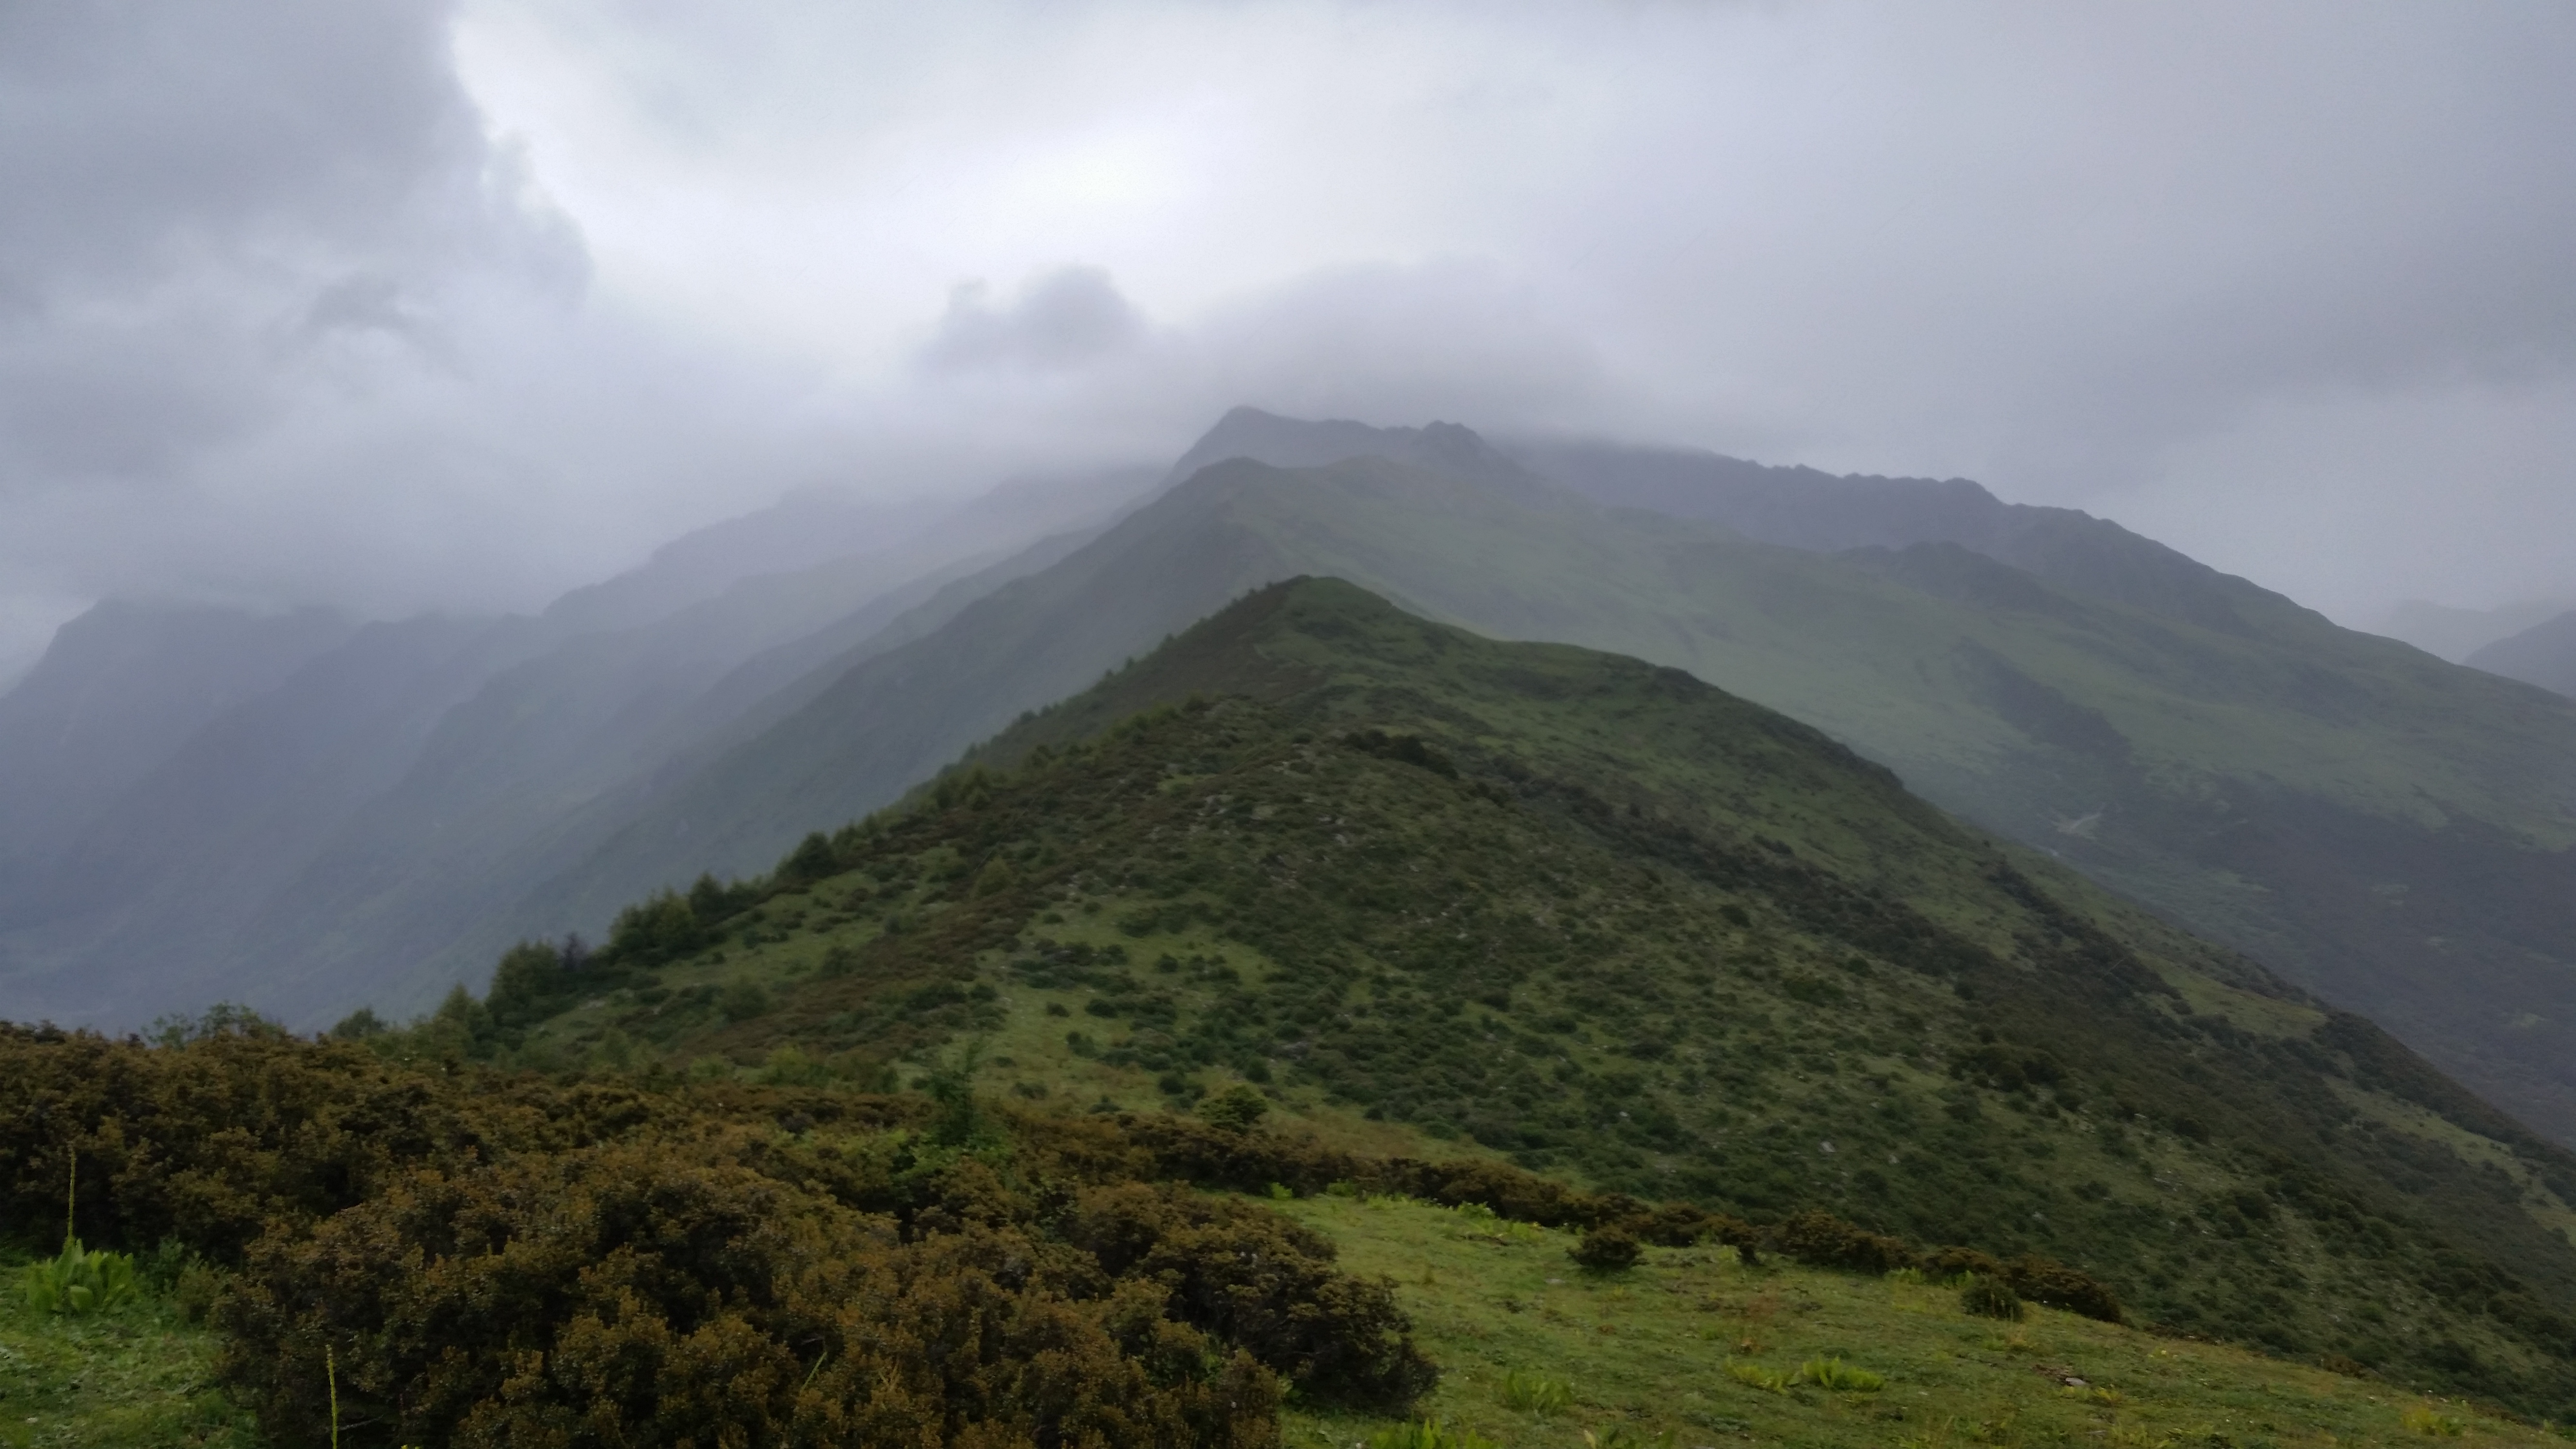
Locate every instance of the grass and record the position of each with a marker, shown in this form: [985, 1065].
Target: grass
[1694, 1345]
[137, 1375]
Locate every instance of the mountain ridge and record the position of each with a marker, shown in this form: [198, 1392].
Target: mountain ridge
[1603, 919]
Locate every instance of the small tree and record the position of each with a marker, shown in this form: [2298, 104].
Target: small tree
[1238, 1108]
[951, 1084]
[526, 985]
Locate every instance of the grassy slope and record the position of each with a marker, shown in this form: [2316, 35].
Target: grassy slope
[1540, 958]
[1648, 1351]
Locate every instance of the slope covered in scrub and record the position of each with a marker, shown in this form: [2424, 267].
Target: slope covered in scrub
[1606, 922]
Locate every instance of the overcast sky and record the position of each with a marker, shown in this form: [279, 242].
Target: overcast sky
[403, 305]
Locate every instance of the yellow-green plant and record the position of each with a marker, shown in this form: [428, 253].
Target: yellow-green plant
[1755, 1376]
[75, 1281]
[1833, 1373]
[2427, 1420]
[1536, 1394]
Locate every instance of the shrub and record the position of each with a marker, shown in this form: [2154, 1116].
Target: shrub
[2058, 1286]
[1536, 1394]
[742, 1001]
[648, 1299]
[1257, 1280]
[1990, 1297]
[1606, 1249]
[1825, 1241]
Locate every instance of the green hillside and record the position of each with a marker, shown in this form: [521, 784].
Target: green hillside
[1593, 917]
[2384, 829]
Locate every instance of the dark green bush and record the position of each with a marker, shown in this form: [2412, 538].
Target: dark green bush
[2059, 1286]
[1990, 1297]
[622, 1295]
[1826, 1241]
[742, 1001]
[1255, 1279]
[1606, 1249]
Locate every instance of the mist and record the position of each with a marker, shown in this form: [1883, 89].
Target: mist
[455, 307]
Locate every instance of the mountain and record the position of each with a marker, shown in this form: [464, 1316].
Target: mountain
[1597, 917]
[201, 820]
[2544, 654]
[1803, 508]
[2455, 634]
[122, 687]
[2380, 827]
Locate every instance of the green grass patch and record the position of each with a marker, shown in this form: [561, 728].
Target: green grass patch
[1692, 1344]
[135, 1373]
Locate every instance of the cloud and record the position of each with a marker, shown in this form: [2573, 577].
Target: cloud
[1063, 319]
[409, 304]
[281, 322]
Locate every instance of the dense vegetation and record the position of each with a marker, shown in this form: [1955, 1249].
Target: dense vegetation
[473, 1257]
[470, 1258]
[1609, 923]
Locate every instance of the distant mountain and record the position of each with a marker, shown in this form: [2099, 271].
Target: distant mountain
[2385, 829]
[2544, 654]
[124, 685]
[1803, 508]
[1603, 919]
[812, 529]
[2455, 634]
[211, 805]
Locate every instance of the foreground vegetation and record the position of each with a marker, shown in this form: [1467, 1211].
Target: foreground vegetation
[493, 1258]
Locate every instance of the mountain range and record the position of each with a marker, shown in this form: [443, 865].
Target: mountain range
[2382, 828]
